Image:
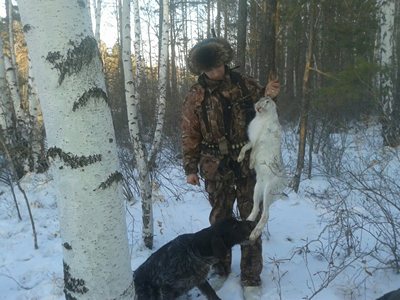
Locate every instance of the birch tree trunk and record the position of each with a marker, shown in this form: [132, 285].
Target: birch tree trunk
[138, 48]
[3, 89]
[36, 124]
[9, 7]
[143, 161]
[6, 108]
[388, 80]
[132, 102]
[11, 77]
[97, 13]
[11, 70]
[82, 148]
[396, 65]
[162, 83]
[174, 72]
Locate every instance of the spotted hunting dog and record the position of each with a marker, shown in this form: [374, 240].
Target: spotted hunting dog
[184, 262]
[264, 133]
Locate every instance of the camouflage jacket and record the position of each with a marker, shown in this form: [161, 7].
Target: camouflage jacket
[215, 116]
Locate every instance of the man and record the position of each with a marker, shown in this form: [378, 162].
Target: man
[215, 115]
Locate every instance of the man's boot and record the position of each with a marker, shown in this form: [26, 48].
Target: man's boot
[252, 292]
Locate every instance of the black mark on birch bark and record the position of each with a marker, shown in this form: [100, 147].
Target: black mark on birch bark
[26, 28]
[78, 56]
[71, 160]
[93, 92]
[71, 284]
[81, 3]
[114, 177]
[67, 246]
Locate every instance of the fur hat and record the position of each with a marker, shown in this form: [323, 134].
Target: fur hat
[209, 53]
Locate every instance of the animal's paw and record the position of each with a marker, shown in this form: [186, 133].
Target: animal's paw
[240, 157]
[252, 163]
[255, 234]
[251, 217]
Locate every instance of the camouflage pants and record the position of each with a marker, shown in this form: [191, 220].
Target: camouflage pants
[222, 195]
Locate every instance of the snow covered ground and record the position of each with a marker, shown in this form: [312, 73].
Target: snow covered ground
[291, 271]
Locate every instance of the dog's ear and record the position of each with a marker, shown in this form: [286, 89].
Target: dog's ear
[218, 247]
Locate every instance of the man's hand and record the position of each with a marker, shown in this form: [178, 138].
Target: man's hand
[193, 179]
[273, 88]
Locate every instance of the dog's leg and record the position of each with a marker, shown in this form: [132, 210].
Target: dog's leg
[257, 196]
[208, 291]
[243, 151]
[267, 199]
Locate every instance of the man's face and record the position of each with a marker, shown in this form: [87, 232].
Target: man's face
[216, 73]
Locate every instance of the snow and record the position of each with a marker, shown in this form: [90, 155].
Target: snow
[291, 271]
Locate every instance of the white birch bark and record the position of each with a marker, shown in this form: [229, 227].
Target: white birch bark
[97, 13]
[35, 113]
[11, 36]
[3, 88]
[11, 78]
[82, 148]
[138, 47]
[6, 109]
[390, 125]
[132, 102]
[162, 83]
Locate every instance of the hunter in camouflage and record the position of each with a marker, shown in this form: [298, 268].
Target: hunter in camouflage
[215, 115]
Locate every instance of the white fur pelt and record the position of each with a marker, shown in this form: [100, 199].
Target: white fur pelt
[264, 133]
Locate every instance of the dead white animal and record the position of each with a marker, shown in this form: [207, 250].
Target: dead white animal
[264, 133]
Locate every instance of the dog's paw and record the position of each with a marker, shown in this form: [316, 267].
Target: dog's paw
[240, 157]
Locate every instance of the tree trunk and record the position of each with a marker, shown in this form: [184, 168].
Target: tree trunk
[82, 148]
[253, 39]
[396, 66]
[273, 15]
[98, 21]
[140, 67]
[9, 7]
[218, 20]
[390, 102]
[20, 131]
[6, 108]
[241, 36]
[11, 76]
[305, 105]
[267, 40]
[264, 22]
[162, 84]
[174, 77]
[226, 21]
[208, 8]
[36, 125]
[134, 129]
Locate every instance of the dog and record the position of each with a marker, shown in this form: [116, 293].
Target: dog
[184, 262]
[393, 295]
[264, 133]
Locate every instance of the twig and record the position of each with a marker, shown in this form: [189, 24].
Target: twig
[7, 153]
[16, 281]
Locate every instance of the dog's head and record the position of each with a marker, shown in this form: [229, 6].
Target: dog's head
[229, 232]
